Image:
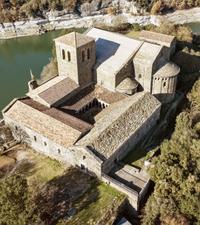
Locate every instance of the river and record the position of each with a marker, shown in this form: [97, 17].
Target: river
[195, 27]
[18, 56]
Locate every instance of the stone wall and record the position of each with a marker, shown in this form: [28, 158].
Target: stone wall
[67, 67]
[144, 69]
[85, 72]
[71, 63]
[126, 71]
[75, 155]
[132, 195]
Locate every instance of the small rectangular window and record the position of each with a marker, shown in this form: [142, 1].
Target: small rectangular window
[68, 56]
[35, 139]
[88, 53]
[83, 56]
[63, 54]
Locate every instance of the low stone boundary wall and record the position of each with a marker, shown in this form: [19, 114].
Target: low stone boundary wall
[133, 196]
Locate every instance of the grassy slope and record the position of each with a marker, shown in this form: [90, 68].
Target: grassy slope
[108, 200]
[49, 178]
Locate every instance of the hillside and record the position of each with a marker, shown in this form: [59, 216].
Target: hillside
[176, 171]
[12, 10]
[164, 6]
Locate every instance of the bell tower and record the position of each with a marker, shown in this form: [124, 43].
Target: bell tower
[76, 57]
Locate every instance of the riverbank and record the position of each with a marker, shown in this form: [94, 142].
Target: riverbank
[40, 26]
[181, 17]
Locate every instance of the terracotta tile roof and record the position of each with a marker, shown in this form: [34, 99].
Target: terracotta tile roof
[86, 95]
[158, 38]
[58, 91]
[41, 123]
[74, 39]
[65, 118]
[148, 53]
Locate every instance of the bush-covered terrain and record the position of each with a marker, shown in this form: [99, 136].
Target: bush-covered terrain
[176, 172]
[163, 6]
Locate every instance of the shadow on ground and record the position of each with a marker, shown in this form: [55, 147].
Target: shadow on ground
[61, 197]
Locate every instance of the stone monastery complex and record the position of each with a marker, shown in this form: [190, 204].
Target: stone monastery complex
[105, 99]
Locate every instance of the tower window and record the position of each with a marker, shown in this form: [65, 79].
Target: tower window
[59, 151]
[164, 84]
[45, 144]
[68, 56]
[88, 53]
[35, 139]
[83, 56]
[63, 54]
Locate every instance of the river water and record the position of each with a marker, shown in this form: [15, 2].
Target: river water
[195, 27]
[18, 56]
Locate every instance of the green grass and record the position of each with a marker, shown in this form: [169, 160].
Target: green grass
[94, 205]
[133, 34]
[39, 169]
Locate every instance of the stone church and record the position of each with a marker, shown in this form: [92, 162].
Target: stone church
[105, 98]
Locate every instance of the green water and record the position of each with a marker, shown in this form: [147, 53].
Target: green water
[195, 27]
[17, 57]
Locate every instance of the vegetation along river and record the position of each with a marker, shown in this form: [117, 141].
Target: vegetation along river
[18, 56]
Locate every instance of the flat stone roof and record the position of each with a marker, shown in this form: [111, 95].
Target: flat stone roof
[157, 38]
[53, 90]
[113, 50]
[148, 53]
[128, 175]
[74, 39]
[118, 121]
[168, 70]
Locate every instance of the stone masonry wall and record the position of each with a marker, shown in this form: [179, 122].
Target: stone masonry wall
[65, 67]
[85, 67]
[126, 71]
[75, 155]
[132, 195]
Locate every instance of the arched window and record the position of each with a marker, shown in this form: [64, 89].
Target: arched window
[164, 84]
[59, 151]
[63, 54]
[88, 53]
[68, 56]
[83, 56]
